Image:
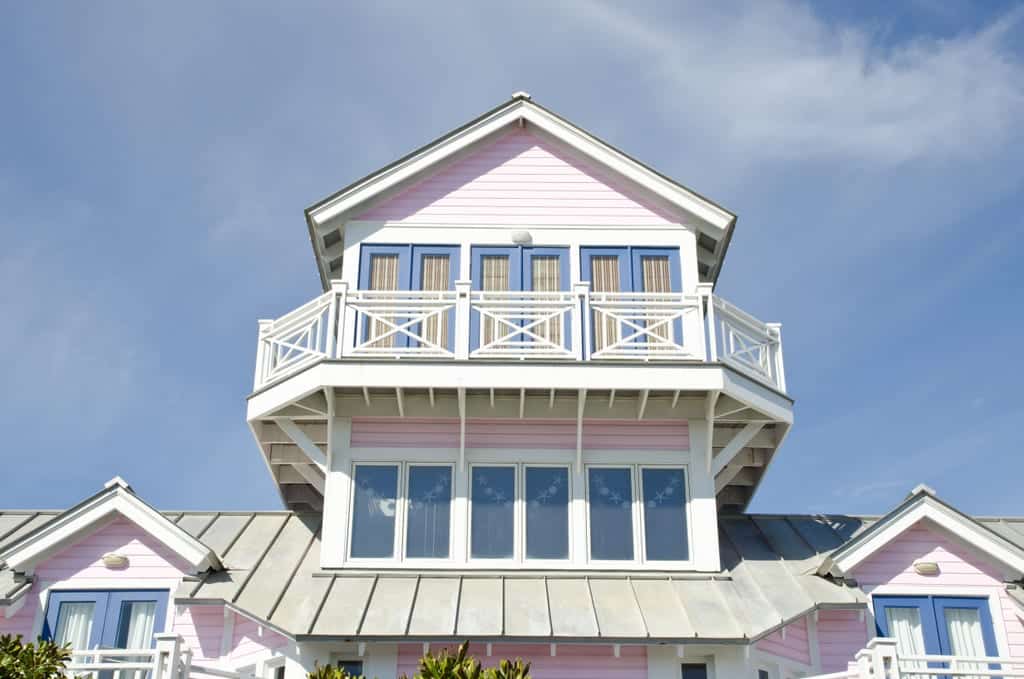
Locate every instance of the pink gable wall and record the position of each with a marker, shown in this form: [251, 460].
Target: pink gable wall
[148, 560]
[518, 178]
[959, 567]
[571, 662]
[794, 646]
[391, 432]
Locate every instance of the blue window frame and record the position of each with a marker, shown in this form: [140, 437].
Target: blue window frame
[111, 613]
[936, 614]
[410, 277]
[520, 278]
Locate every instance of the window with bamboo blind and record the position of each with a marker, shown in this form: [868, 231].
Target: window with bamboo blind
[383, 276]
[494, 271]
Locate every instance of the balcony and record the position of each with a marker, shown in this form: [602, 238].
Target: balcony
[881, 660]
[473, 325]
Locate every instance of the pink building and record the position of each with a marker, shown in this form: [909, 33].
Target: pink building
[518, 415]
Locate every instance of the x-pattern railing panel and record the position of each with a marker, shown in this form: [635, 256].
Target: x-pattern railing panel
[296, 339]
[746, 342]
[514, 324]
[398, 323]
[643, 325]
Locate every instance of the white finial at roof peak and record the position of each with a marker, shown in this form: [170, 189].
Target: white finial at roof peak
[923, 488]
[117, 481]
[521, 95]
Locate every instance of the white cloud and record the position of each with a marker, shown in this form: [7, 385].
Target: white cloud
[771, 78]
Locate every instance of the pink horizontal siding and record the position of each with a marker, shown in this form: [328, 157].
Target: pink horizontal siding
[520, 178]
[840, 635]
[201, 629]
[793, 646]
[571, 662]
[959, 568]
[248, 644]
[390, 432]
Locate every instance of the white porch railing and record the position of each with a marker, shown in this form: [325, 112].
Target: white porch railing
[168, 660]
[467, 324]
[880, 660]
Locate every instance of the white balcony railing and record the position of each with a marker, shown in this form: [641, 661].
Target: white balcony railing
[168, 660]
[880, 660]
[467, 324]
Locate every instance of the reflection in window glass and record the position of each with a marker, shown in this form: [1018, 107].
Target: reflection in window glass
[492, 519]
[430, 497]
[547, 513]
[665, 514]
[373, 511]
[611, 514]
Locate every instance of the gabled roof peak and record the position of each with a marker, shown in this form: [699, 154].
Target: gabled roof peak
[922, 489]
[521, 95]
[118, 481]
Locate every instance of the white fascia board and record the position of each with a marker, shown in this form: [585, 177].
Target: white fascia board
[79, 521]
[571, 135]
[924, 506]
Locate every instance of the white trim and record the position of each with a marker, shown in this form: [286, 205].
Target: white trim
[921, 506]
[101, 508]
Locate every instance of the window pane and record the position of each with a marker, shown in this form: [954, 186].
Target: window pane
[492, 512]
[604, 271]
[695, 671]
[546, 276]
[353, 668]
[547, 513]
[136, 624]
[665, 514]
[435, 276]
[383, 276]
[430, 497]
[74, 624]
[611, 514]
[373, 511]
[495, 278]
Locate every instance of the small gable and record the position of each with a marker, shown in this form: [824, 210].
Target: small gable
[959, 565]
[520, 178]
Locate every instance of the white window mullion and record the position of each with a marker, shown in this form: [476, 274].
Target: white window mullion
[638, 528]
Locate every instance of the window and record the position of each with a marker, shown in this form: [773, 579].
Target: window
[353, 668]
[660, 513]
[694, 671]
[664, 512]
[611, 513]
[429, 514]
[110, 619]
[763, 674]
[937, 625]
[547, 512]
[630, 269]
[374, 506]
[409, 267]
[382, 509]
[519, 269]
[492, 523]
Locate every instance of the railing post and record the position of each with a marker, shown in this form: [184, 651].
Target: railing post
[168, 651]
[336, 318]
[581, 320]
[261, 353]
[462, 309]
[775, 329]
[882, 649]
[705, 290]
[186, 664]
[704, 316]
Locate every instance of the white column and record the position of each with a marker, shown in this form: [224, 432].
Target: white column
[703, 508]
[337, 489]
[578, 508]
[168, 652]
[462, 293]
[460, 514]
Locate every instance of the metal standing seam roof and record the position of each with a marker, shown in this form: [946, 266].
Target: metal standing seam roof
[271, 573]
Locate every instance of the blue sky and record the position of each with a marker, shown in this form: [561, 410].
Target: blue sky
[156, 160]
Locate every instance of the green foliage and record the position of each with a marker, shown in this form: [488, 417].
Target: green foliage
[326, 672]
[39, 660]
[444, 665]
[461, 665]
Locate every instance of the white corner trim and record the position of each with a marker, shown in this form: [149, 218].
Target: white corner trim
[80, 520]
[524, 109]
[924, 506]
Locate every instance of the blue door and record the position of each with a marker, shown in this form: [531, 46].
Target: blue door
[105, 619]
[409, 267]
[929, 625]
[518, 269]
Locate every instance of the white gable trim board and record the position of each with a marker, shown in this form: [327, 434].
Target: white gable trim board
[923, 505]
[116, 499]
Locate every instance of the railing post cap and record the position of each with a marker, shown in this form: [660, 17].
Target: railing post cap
[264, 323]
[166, 636]
[881, 641]
[705, 286]
[338, 285]
[581, 286]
